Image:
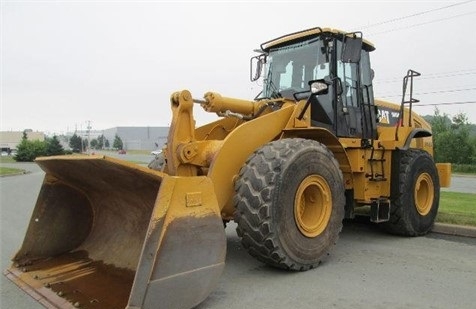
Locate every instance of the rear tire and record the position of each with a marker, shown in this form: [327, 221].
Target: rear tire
[415, 194]
[290, 203]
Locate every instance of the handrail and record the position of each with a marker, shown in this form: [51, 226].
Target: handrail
[400, 122]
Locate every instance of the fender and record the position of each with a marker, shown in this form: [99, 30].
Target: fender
[325, 137]
[416, 133]
[236, 149]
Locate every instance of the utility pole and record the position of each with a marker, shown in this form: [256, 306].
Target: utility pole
[88, 131]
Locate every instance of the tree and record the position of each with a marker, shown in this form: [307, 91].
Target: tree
[94, 144]
[451, 139]
[53, 147]
[76, 143]
[27, 150]
[117, 143]
[85, 143]
[462, 140]
[100, 140]
[106, 143]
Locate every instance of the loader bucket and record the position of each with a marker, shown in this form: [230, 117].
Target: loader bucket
[110, 234]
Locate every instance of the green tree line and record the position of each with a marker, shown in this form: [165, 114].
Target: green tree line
[454, 138]
[28, 150]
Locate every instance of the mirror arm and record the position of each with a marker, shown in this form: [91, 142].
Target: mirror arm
[306, 106]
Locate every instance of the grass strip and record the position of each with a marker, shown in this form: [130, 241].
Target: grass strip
[457, 208]
[4, 171]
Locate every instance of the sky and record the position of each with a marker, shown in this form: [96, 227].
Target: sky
[65, 64]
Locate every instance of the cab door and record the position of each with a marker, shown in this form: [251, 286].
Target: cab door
[356, 114]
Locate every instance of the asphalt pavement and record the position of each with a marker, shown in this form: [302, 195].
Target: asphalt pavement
[366, 269]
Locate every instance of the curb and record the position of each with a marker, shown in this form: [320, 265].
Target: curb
[455, 230]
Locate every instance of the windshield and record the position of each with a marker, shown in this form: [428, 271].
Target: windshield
[290, 68]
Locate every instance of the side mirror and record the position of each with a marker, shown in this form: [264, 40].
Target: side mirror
[319, 87]
[316, 87]
[256, 66]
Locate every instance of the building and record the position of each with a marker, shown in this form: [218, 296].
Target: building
[133, 138]
[9, 140]
[138, 138]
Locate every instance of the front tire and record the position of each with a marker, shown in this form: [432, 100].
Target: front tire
[290, 203]
[415, 194]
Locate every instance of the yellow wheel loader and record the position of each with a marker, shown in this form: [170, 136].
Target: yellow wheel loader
[288, 167]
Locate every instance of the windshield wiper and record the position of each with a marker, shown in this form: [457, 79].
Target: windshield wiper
[275, 94]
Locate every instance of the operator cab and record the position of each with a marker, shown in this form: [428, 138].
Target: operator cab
[341, 60]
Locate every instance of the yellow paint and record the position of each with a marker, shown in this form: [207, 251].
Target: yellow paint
[217, 130]
[424, 193]
[216, 103]
[357, 160]
[185, 196]
[181, 132]
[387, 134]
[237, 147]
[444, 174]
[193, 199]
[313, 206]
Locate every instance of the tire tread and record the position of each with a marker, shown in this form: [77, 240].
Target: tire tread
[256, 182]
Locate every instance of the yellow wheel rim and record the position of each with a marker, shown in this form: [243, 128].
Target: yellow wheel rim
[312, 206]
[424, 194]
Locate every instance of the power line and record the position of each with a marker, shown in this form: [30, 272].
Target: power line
[421, 24]
[413, 15]
[434, 74]
[445, 103]
[431, 92]
[451, 72]
[429, 76]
